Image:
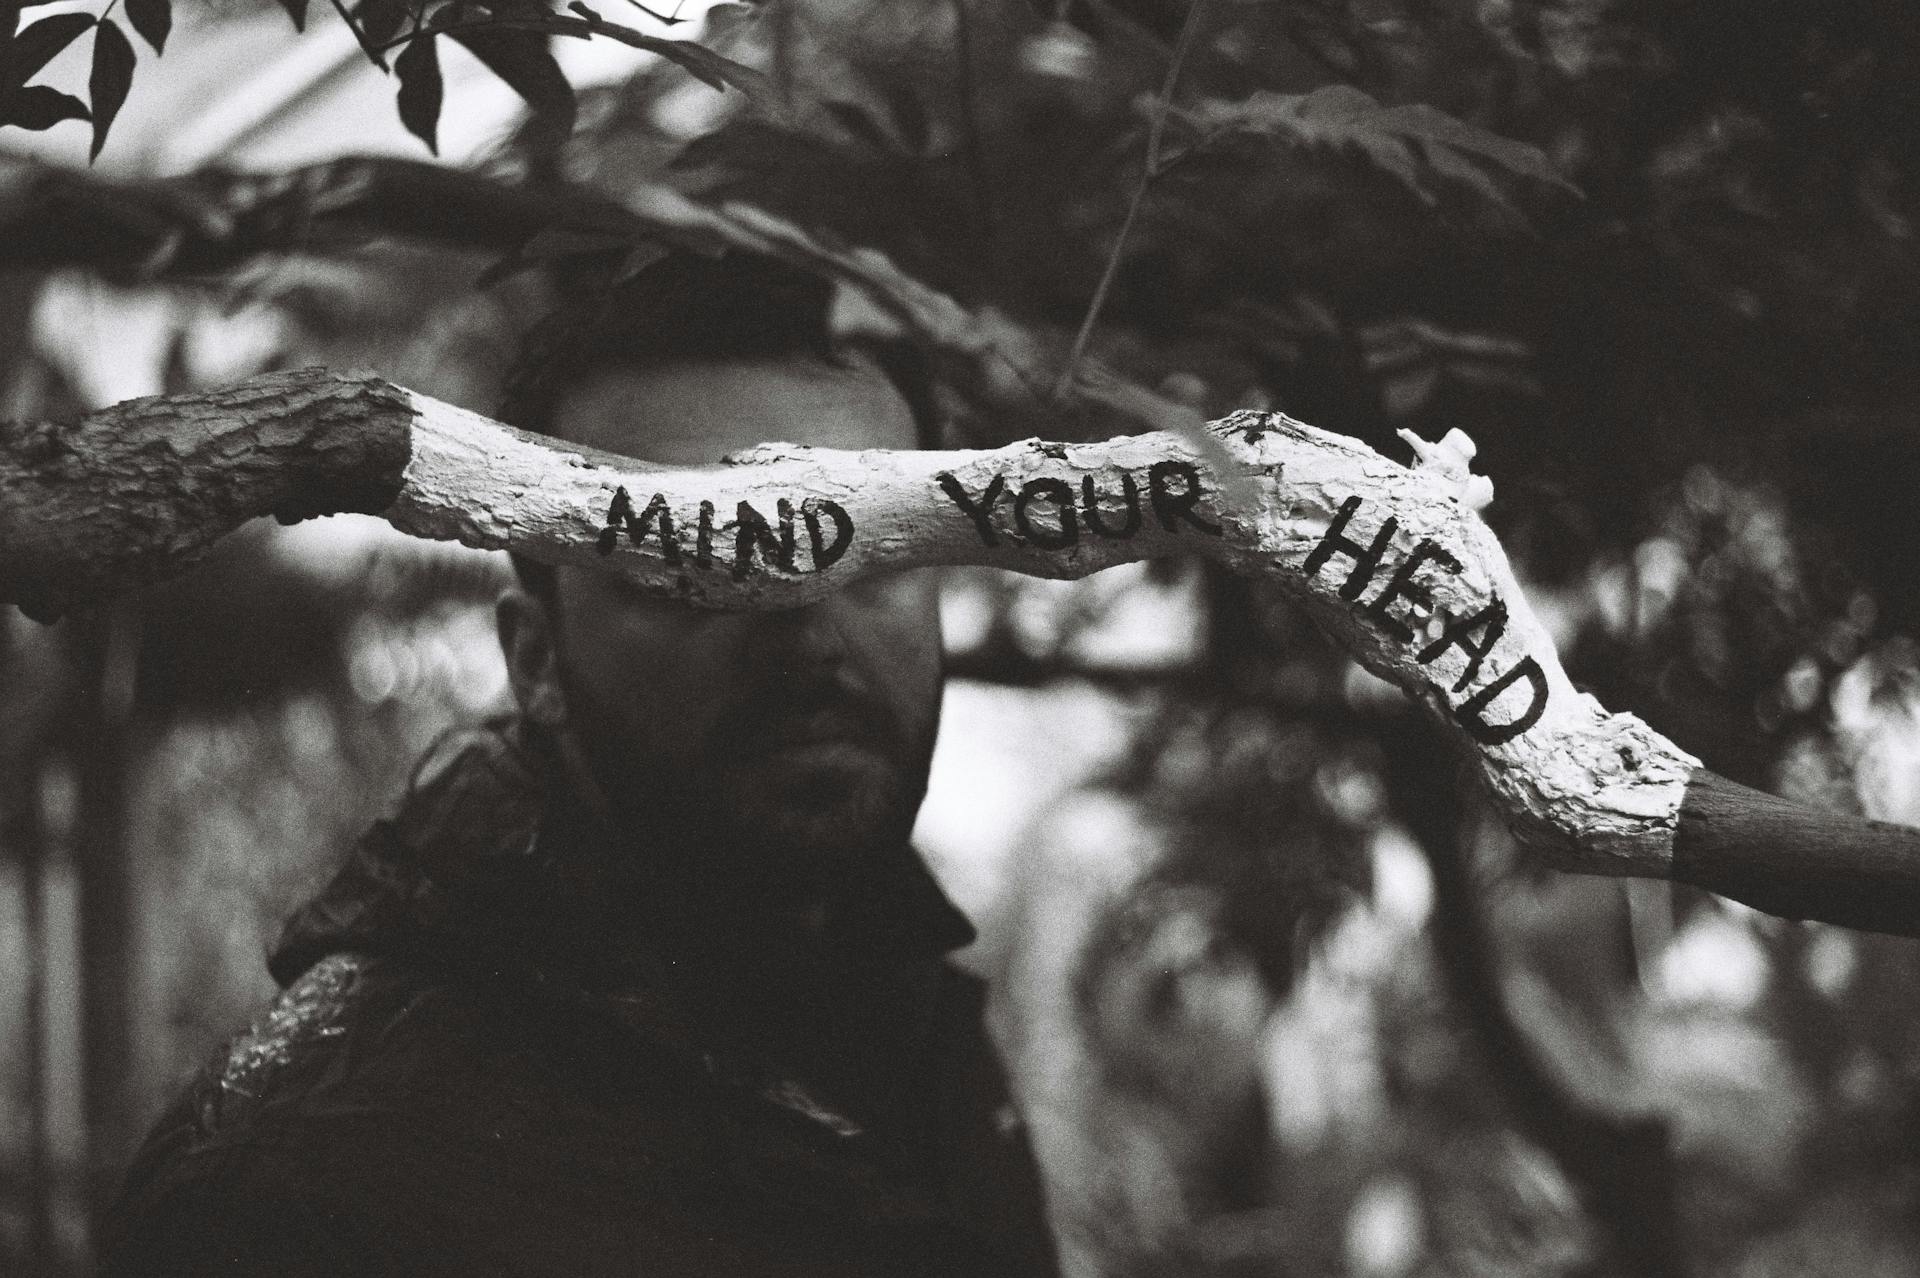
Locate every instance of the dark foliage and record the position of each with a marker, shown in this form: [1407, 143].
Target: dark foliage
[1692, 382]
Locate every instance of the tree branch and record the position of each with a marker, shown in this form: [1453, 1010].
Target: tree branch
[1797, 862]
[1389, 560]
[211, 221]
[135, 492]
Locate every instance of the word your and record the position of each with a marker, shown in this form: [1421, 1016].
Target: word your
[776, 543]
[1048, 513]
[1475, 636]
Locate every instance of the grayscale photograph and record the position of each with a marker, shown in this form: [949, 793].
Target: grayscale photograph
[959, 638]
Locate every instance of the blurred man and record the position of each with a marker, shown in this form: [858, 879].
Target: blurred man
[648, 981]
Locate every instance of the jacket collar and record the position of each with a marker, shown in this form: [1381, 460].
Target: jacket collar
[490, 861]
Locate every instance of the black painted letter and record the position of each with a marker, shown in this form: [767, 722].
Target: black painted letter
[1403, 586]
[1458, 635]
[1365, 558]
[824, 556]
[979, 512]
[1061, 495]
[752, 531]
[1090, 507]
[655, 516]
[1470, 711]
[1173, 507]
[618, 513]
[703, 537]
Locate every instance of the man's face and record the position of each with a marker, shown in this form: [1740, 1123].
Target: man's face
[801, 735]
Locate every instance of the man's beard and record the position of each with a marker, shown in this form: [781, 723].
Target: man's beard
[800, 777]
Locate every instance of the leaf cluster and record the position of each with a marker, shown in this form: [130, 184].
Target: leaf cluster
[1410, 143]
[26, 50]
[511, 38]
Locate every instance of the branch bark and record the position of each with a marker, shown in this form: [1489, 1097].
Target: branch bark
[208, 222]
[1390, 560]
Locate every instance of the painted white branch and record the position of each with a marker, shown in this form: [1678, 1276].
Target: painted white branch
[1390, 560]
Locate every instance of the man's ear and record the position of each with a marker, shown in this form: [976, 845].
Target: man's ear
[529, 643]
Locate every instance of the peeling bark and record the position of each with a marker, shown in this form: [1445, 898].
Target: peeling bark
[1390, 560]
[135, 492]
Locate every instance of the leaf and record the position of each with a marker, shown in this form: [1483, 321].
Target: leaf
[1400, 162]
[1340, 115]
[447, 15]
[910, 117]
[37, 107]
[855, 120]
[1438, 129]
[553, 242]
[703, 63]
[421, 90]
[1410, 391]
[40, 43]
[526, 64]
[1411, 358]
[112, 76]
[969, 340]
[566, 241]
[712, 68]
[1451, 164]
[297, 10]
[729, 16]
[379, 21]
[153, 19]
[639, 258]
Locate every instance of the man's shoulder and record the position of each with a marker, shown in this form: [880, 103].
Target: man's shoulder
[350, 1021]
[386, 1100]
[366, 1039]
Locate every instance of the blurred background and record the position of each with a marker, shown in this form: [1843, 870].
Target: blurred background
[1278, 995]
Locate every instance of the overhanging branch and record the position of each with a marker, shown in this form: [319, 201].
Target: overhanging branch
[1389, 560]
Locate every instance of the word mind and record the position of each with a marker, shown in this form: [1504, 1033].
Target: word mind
[829, 531]
[1474, 636]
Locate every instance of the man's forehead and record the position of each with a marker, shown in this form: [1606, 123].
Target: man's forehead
[689, 413]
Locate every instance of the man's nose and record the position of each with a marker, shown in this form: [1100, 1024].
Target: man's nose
[808, 638]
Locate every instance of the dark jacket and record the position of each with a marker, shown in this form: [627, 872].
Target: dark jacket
[478, 1068]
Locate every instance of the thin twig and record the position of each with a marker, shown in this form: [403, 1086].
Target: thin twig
[579, 28]
[970, 121]
[785, 26]
[664, 19]
[1149, 170]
